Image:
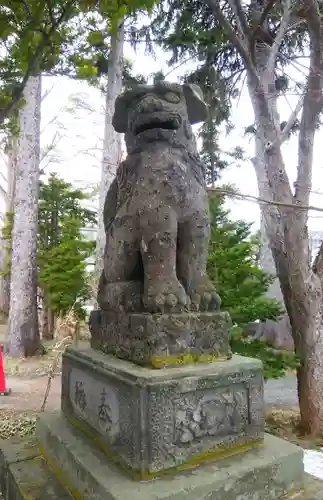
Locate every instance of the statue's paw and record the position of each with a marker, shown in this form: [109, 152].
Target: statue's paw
[166, 297]
[212, 301]
[205, 298]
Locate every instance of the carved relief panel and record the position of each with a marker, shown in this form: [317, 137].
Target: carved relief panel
[217, 414]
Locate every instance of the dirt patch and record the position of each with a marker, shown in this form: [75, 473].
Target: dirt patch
[285, 424]
[28, 395]
[38, 366]
[19, 410]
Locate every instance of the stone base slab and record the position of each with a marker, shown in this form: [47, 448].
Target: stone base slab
[21, 469]
[266, 473]
[159, 340]
[25, 475]
[149, 420]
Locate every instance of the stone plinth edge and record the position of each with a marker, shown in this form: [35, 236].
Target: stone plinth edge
[266, 473]
[149, 421]
[160, 340]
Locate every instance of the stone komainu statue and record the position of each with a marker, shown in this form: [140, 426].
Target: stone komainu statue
[156, 211]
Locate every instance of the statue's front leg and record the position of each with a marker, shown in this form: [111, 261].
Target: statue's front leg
[162, 290]
[193, 239]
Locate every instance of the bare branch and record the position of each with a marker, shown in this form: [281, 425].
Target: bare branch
[3, 193]
[240, 16]
[291, 121]
[266, 11]
[312, 103]
[313, 18]
[49, 149]
[237, 41]
[263, 201]
[318, 263]
[46, 94]
[3, 177]
[280, 35]
[26, 6]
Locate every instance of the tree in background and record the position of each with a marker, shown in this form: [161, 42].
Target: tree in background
[11, 152]
[63, 274]
[44, 36]
[111, 151]
[61, 208]
[233, 267]
[242, 285]
[23, 328]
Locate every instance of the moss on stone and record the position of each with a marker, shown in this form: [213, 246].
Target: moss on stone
[184, 359]
[60, 476]
[139, 475]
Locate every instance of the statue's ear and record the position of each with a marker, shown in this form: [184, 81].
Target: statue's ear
[120, 117]
[197, 109]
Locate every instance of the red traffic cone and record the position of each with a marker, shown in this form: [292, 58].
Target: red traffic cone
[4, 391]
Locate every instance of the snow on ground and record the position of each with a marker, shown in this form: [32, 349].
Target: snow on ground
[313, 463]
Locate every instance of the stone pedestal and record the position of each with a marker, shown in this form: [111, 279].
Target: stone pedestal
[160, 340]
[126, 431]
[150, 420]
[266, 473]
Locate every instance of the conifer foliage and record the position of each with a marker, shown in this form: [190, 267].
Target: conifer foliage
[62, 248]
[63, 270]
[242, 286]
[233, 267]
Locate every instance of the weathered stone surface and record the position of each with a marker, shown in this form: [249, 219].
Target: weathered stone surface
[158, 340]
[151, 420]
[156, 213]
[313, 490]
[265, 473]
[313, 487]
[24, 473]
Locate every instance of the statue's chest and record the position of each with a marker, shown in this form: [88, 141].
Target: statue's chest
[164, 169]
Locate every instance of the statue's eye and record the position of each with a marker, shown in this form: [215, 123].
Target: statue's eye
[172, 97]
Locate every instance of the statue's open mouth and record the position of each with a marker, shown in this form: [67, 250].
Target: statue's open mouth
[152, 122]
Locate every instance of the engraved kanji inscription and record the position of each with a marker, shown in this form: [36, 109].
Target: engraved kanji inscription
[105, 412]
[80, 396]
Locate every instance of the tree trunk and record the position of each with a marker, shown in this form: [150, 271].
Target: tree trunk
[285, 219]
[48, 324]
[44, 322]
[112, 141]
[11, 179]
[286, 228]
[23, 328]
[278, 332]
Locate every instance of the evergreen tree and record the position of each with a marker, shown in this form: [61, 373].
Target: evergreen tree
[57, 201]
[63, 272]
[233, 267]
[61, 211]
[61, 248]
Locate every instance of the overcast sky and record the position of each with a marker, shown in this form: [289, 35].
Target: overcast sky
[82, 133]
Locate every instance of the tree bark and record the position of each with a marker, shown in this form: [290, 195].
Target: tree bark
[48, 323]
[12, 152]
[23, 327]
[112, 141]
[286, 227]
